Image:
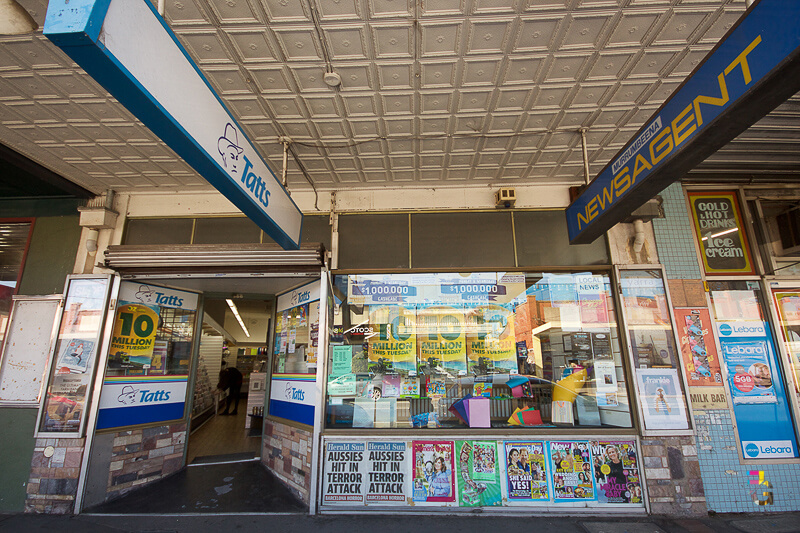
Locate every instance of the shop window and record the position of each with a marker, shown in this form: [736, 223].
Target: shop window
[159, 231]
[653, 348]
[230, 230]
[542, 239]
[475, 350]
[459, 240]
[149, 355]
[14, 238]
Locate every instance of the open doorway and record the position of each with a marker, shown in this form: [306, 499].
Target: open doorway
[228, 404]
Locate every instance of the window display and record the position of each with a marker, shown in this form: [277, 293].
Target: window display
[477, 350]
[149, 355]
[74, 357]
[295, 347]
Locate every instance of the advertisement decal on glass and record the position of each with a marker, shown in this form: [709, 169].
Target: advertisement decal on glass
[491, 342]
[747, 360]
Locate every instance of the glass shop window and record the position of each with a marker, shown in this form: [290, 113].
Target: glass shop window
[479, 350]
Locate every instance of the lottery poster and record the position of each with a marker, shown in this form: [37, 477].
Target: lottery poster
[571, 471]
[526, 471]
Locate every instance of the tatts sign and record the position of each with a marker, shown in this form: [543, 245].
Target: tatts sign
[752, 70]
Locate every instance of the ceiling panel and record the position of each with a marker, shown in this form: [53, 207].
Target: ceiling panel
[471, 91]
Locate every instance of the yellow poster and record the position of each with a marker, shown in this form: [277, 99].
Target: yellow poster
[134, 336]
[441, 340]
[491, 342]
[394, 347]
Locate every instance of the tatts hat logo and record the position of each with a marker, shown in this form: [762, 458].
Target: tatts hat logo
[228, 146]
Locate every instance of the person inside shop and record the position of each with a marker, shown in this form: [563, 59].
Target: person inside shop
[230, 379]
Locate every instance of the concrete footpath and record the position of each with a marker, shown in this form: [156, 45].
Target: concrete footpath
[370, 523]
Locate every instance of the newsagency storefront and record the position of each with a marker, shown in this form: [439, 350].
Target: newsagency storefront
[540, 390]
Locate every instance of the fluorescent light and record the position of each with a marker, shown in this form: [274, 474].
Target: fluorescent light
[721, 233]
[238, 318]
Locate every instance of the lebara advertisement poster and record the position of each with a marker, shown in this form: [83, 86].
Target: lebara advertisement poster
[478, 474]
[616, 472]
[749, 370]
[526, 471]
[571, 471]
[433, 471]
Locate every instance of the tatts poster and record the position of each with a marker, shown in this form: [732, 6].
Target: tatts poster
[433, 471]
[478, 474]
[345, 471]
[491, 341]
[441, 340]
[387, 473]
[571, 471]
[395, 347]
[526, 471]
[616, 471]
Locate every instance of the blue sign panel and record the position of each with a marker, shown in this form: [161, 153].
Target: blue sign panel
[763, 415]
[753, 69]
[127, 48]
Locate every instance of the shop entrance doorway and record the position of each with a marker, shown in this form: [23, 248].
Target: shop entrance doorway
[230, 379]
[208, 450]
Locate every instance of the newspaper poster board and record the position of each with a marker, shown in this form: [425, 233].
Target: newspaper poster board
[387, 473]
[344, 473]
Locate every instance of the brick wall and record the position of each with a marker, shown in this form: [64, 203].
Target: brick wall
[53, 481]
[288, 453]
[672, 469]
[141, 456]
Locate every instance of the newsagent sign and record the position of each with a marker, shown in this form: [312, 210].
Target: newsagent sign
[754, 68]
[129, 50]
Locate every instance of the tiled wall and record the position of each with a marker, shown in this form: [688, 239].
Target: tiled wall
[726, 483]
[142, 456]
[288, 454]
[729, 485]
[53, 481]
[674, 236]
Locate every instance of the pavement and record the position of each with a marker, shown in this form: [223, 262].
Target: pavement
[399, 523]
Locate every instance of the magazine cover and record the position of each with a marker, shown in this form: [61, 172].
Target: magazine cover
[571, 471]
[616, 472]
[75, 355]
[526, 471]
[433, 471]
[478, 474]
[662, 400]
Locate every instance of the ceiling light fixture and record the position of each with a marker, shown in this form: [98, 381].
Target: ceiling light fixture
[332, 79]
[15, 20]
[238, 318]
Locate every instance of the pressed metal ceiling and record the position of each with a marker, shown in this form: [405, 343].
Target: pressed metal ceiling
[458, 92]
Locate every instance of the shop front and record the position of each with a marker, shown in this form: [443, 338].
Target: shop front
[527, 390]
